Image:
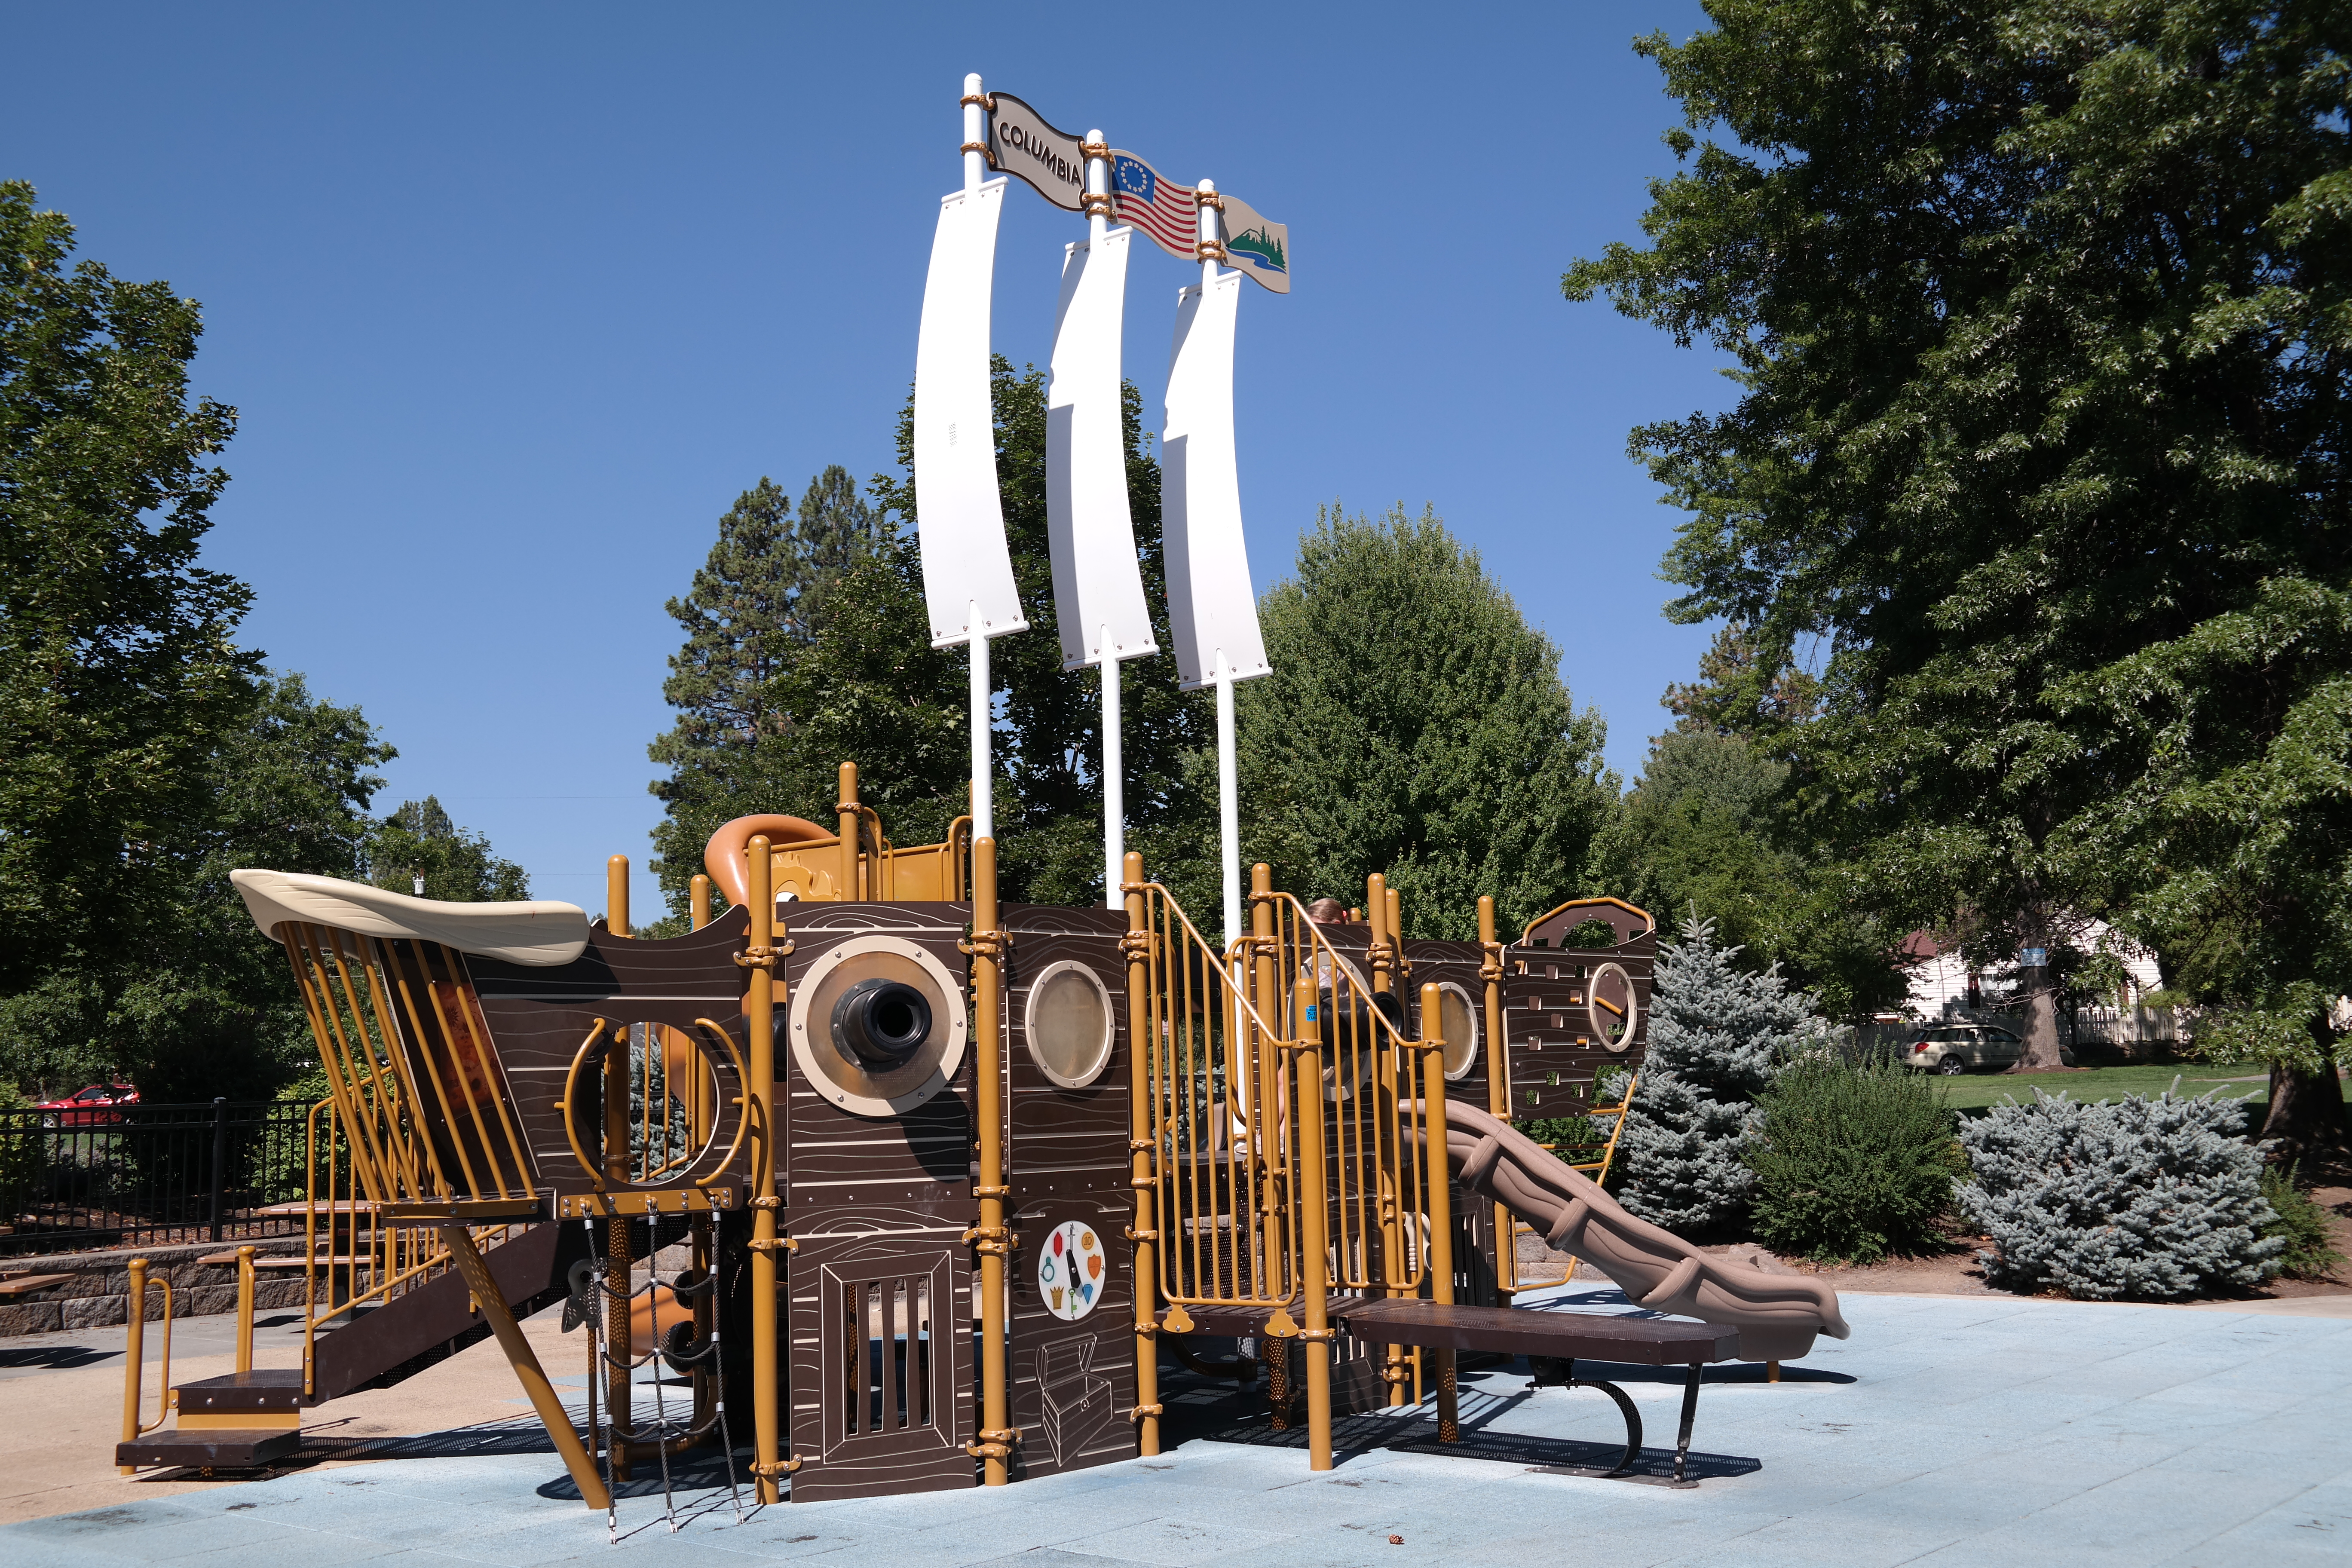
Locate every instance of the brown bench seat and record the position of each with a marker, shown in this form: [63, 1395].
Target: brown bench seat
[1565, 1338]
[1514, 1331]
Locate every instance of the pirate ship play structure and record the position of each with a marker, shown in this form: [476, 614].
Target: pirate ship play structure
[952, 1175]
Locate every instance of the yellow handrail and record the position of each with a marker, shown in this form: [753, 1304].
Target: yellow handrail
[134, 1358]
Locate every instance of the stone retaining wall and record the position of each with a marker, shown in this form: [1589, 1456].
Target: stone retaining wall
[99, 1294]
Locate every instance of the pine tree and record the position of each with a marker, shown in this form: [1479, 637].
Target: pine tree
[1716, 1035]
[838, 528]
[742, 627]
[751, 617]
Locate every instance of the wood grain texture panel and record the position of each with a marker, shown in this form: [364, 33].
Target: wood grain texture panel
[1058, 1139]
[1452, 964]
[1544, 1015]
[1071, 1383]
[538, 1017]
[835, 1158]
[881, 1391]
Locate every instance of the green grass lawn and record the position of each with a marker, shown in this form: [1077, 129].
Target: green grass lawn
[1977, 1090]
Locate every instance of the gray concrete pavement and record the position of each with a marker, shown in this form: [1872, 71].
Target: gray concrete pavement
[1949, 1429]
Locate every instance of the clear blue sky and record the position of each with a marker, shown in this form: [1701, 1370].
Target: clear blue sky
[514, 299]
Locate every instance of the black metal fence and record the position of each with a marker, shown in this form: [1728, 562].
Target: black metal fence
[149, 1175]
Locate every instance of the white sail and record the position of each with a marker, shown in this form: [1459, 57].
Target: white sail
[1098, 582]
[1211, 606]
[960, 520]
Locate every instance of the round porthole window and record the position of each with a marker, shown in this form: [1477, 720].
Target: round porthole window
[1068, 1024]
[1458, 1016]
[1613, 1008]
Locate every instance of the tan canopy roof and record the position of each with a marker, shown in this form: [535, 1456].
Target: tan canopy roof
[539, 933]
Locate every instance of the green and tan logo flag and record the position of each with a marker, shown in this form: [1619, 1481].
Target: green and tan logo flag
[1256, 248]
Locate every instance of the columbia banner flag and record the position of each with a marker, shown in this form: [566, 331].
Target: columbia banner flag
[1021, 142]
[1256, 248]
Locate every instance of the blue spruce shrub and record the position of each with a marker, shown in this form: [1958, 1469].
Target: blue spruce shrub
[2150, 1198]
[1716, 1033]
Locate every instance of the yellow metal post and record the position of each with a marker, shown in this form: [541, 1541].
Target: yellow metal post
[617, 895]
[618, 1348]
[1264, 1058]
[1313, 1241]
[994, 1446]
[1144, 1232]
[1498, 1092]
[759, 960]
[847, 816]
[1377, 907]
[706, 1088]
[133, 1353]
[1441, 1197]
[525, 1361]
[244, 1309]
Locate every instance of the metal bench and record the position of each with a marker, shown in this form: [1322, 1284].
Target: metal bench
[1565, 1338]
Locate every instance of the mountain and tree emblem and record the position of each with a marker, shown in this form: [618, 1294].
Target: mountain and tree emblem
[1265, 246]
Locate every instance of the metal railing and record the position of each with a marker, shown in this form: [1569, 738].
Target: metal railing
[147, 1175]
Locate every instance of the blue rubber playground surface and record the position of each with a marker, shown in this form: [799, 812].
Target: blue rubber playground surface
[1946, 1430]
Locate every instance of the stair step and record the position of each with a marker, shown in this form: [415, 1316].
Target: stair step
[276, 1388]
[227, 1447]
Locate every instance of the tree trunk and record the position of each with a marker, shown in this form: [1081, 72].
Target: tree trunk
[2306, 1114]
[2042, 1054]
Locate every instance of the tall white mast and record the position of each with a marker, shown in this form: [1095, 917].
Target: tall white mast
[1097, 580]
[1114, 762]
[1212, 610]
[968, 586]
[983, 711]
[1229, 777]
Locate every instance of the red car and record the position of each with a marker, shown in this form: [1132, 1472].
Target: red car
[92, 1106]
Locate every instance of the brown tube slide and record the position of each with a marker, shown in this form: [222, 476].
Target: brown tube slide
[723, 855]
[1777, 1314]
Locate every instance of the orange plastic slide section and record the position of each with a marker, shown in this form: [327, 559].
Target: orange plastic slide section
[1776, 1315]
[723, 855]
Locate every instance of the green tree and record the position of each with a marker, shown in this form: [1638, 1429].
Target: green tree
[1415, 724]
[118, 677]
[192, 1001]
[837, 529]
[419, 843]
[751, 615]
[2040, 317]
[1733, 695]
[1718, 1033]
[1708, 826]
[1696, 828]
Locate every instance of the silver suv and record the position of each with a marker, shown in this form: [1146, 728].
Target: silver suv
[1953, 1048]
